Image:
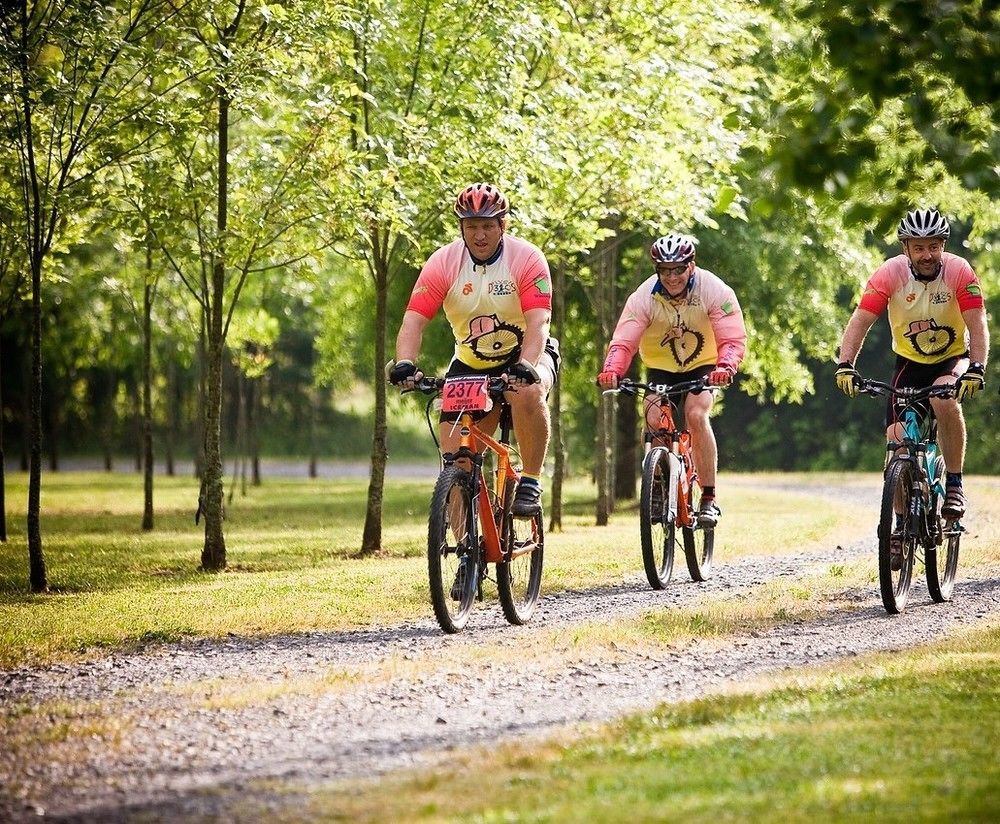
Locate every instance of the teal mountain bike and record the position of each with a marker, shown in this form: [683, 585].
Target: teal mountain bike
[910, 523]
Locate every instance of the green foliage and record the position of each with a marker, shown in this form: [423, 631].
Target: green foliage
[889, 105]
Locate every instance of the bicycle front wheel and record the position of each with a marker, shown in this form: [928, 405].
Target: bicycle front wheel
[941, 560]
[897, 536]
[699, 542]
[453, 549]
[519, 574]
[657, 526]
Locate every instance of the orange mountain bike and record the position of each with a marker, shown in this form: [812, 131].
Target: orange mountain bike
[667, 493]
[470, 524]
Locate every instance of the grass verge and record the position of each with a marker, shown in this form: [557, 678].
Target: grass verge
[899, 737]
[290, 547]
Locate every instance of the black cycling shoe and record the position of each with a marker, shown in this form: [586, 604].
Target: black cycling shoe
[527, 500]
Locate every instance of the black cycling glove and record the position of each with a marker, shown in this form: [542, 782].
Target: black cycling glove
[401, 371]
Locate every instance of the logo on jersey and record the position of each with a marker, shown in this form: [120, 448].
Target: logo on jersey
[911, 297]
[491, 339]
[928, 338]
[542, 285]
[941, 297]
[501, 288]
[467, 289]
[684, 344]
[973, 289]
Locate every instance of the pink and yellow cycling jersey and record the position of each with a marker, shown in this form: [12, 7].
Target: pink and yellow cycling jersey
[485, 304]
[925, 316]
[702, 328]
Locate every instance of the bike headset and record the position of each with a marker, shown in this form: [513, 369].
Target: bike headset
[482, 200]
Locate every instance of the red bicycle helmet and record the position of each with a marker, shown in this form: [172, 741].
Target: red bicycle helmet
[481, 200]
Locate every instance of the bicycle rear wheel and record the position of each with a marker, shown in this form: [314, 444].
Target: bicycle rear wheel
[896, 496]
[657, 529]
[941, 560]
[453, 549]
[519, 575]
[699, 542]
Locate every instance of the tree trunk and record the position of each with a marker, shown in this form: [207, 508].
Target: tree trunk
[371, 539]
[626, 446]
[558, 447]
[213, 555]
[171, 431]
[137, 423]
[240, 459]
[199, 455]
[36, 559]
[147, 394]
[253, 431]
[607, 270]
[313, 433]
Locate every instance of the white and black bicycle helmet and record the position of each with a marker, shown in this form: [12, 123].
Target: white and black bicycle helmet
[672, 249]
[923, 223]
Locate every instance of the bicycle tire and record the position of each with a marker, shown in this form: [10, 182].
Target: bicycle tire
[519, 575]
[941, 560]
[451, 547]
[657, 531]
[699, 542]
[896, 491]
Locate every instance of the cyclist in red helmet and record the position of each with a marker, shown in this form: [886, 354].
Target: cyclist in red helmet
[937, 317]
[497, 295]
[685, 323]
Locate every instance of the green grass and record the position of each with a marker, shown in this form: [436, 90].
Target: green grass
[898, 737]
[290, 544]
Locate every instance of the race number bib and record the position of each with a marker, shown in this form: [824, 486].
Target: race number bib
[465, 394]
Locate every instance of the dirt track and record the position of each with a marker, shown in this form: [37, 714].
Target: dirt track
[357, 703]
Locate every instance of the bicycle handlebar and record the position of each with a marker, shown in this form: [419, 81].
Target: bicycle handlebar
[906, 393]
[630, 387]
[430, 385]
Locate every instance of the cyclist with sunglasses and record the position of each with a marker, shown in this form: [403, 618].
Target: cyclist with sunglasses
[685, 323]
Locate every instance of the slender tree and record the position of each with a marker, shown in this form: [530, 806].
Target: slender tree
[65, 91]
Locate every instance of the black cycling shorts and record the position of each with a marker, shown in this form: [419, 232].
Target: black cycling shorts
[908, 373]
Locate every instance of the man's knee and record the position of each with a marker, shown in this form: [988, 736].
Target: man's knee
[531, 396]
[698, 418]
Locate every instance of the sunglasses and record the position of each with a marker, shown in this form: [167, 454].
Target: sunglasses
[671, 270]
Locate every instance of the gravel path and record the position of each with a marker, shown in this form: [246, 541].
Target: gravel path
[356, 703]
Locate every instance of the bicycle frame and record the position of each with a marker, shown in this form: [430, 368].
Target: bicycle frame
[472, 435]
[679, 444]
[678, 441]
[918, 446]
